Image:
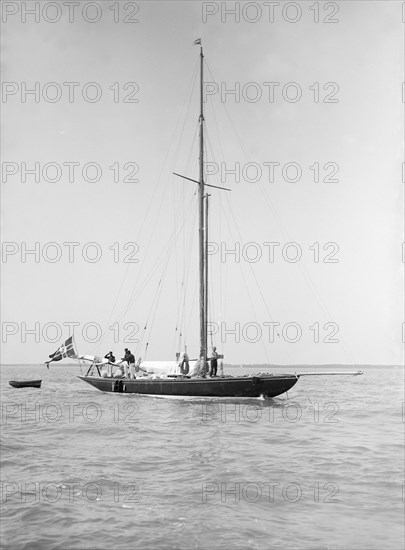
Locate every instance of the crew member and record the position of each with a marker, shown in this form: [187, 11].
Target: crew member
[125, 362]
[130, 359]
[111, 359]
[185, 366]
[214, 362]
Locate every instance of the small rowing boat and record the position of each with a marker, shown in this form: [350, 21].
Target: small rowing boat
[25, 383]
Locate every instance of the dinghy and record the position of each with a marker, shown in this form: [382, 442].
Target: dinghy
[25, 383]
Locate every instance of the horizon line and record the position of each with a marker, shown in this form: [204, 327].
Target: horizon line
[239, 364]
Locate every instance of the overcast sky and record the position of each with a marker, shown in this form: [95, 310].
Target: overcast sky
[325, 95]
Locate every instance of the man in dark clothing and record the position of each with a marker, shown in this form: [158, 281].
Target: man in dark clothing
[130, 359]
[110, 357]
[214, 362]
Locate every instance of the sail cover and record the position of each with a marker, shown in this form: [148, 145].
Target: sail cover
[163, 367]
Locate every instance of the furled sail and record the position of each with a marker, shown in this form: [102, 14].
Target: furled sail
[163, 367]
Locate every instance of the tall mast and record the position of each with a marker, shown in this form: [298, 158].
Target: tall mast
[203, 326]
[206, 272]
[202, 225]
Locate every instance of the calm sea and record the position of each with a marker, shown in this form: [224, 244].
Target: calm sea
[321, 468]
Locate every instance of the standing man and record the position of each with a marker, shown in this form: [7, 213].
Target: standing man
[131, 362]
[125, 362]
[111, 359]
[214, 362]
[185, 365]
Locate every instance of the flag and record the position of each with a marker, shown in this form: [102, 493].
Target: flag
[196, 42]
[66, 350]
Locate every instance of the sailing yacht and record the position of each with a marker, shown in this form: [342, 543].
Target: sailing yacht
[199, 384]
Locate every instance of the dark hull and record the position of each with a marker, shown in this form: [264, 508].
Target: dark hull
[25, 383]
[267, 385]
